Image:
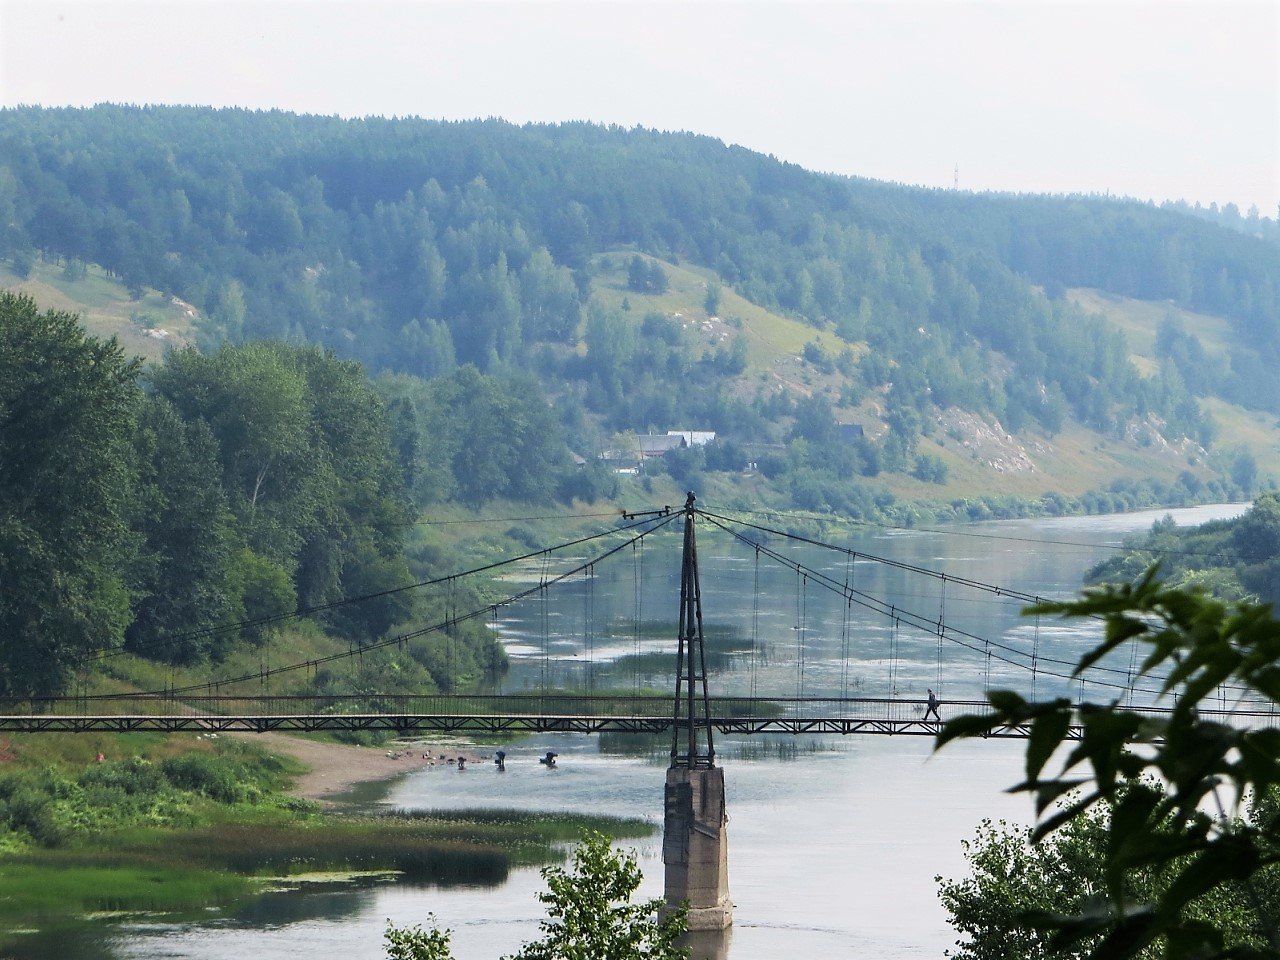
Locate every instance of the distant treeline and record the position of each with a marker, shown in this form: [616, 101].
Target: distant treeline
[416, 246]
[1229, 559]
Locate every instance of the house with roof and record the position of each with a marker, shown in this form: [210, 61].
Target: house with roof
[694, 438]
[657, 445]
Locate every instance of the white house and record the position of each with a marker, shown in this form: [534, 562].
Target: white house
[694, 438]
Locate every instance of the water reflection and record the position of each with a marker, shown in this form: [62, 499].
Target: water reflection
[708, 944]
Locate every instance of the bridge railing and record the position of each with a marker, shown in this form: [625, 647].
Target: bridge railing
[896, 710]
[507, 704]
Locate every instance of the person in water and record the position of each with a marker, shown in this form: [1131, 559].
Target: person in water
[932, 707]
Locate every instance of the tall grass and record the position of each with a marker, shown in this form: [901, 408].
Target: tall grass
[38, 890]
[156, 869]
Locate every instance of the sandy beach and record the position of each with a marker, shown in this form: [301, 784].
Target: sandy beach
[336, 767]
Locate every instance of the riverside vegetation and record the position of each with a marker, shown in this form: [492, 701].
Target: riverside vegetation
[177, 826]
[149, 521]
[1156, 836]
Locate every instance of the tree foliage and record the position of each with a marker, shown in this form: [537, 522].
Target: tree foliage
[1231, 559]
[1013, 878]
[590, 912]
[236, 486]
[304, 446]
[67, 403]
[590, 915]
[412, 245]
[1167, 792]
[415, 943]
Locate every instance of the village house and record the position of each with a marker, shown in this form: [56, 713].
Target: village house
[694, 438]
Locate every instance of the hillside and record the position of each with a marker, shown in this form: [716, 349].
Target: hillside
[146, 326]
[986, 345]
[978, 453]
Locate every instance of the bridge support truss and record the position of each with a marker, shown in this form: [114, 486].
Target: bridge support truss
[695, 842]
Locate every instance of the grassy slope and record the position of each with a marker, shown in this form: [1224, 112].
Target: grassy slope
[105, 306]
[1139, 320]
[774, 342]
[1074, 461]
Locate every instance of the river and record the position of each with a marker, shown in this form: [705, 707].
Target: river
[834, 843]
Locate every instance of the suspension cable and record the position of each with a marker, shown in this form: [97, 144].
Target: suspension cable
[300, 612]
[992, 588]
[588, 627]
[421, 632]
[755, 626]
[846, 617]
[954, 635]
[942, 626]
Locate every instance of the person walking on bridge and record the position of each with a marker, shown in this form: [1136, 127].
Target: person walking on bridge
[932, 707]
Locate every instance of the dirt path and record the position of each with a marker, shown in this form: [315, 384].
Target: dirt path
[336, 767]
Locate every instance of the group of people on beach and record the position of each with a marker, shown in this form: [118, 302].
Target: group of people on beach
[460, 762]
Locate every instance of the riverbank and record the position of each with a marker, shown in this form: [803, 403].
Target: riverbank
[176, 825]
[336, 768]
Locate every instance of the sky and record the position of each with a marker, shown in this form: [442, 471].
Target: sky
[1155, 99]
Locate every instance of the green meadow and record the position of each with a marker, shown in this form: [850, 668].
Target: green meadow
[172, 830]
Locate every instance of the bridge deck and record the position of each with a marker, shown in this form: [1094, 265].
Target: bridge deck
[455, 723]
[503, 714]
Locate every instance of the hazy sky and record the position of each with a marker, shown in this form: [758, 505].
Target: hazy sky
[1149, 99]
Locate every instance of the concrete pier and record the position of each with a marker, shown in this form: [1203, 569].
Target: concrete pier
[695, 845]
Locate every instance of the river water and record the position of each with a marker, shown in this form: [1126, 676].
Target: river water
[834, 843]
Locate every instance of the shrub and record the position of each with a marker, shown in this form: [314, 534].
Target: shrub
[132, 776]
[214, 777]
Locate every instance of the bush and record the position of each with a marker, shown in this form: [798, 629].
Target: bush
[930, 468]
[131, 777]
[214, 777]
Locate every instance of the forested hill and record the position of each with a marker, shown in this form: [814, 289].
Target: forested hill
[416, 246]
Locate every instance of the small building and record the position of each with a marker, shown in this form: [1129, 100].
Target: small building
[694, 438]
[849, 432]
[622, 460]
[657, 445]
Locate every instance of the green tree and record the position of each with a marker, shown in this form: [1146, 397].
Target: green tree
[181, 580]
[1244, 471]
[711, 302]
[308, 466]
[1012, 877]
[264, 589]
[637, 275]
[67, 404]
[1170, 791]
[930, 468]
[590, 913]
[549, 300]
[414, 943]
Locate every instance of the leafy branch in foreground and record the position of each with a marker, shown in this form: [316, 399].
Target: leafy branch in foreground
[590, 914]
[414, 943]
[1166, 795]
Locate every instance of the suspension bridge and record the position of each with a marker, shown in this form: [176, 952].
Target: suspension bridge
[695, 844]
[225, 705]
